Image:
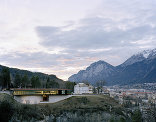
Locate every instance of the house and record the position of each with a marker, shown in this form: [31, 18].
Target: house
[82, 88]
[35, 96]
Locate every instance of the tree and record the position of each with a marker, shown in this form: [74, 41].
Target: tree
[38, 83]
[70, 85]
[151, 112]
[6, 111]
[122, 119]
[112, 119]
[25, 81]
[52, 84]
[17, 81]
[1, 80]
[94, 90]
[136, 116]
[5, 77]
[35, 82]
[100, 85]
[48, 82]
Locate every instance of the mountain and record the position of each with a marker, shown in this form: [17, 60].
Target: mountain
[43, 77]
[139, 68]
[96, 71]
[146, 54]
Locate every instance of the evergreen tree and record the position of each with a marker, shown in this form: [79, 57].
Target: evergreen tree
[1, 80]
[25, 81]
[51, 84]
[5, 77]
[38, 83]
[17, 81]
[70, 85]
[47, 83]
[35, 82]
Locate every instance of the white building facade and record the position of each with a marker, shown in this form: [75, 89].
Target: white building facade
[82, 88]
[35, 96]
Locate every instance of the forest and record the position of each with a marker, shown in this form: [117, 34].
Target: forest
[17, 79]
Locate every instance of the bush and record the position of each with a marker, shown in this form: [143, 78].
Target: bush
[122, 119]
[6, 111]
[136, 116]
[28, 112]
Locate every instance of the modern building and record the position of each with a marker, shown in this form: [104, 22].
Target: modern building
[82, 88]
[35, 96]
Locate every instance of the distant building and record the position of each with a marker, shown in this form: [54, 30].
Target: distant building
[82, 88]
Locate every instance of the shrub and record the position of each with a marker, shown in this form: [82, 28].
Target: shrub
[6, 111]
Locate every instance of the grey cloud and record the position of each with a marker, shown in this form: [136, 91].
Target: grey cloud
[93, 37]
[114, 24]
[30, 59]
[40, 59]
[100, 33]
[118, 26]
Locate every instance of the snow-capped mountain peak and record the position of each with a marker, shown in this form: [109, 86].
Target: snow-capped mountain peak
[140, 67]
[152, 54]
[146, 54]
[133, 59]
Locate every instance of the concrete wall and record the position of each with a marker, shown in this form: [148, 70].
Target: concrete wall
[29, 99]
[53, 99]
[6, 92]
[39, 99]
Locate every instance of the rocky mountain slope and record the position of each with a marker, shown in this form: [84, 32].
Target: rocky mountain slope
[96, 71]
[139, 68]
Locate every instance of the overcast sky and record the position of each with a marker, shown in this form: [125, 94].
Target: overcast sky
[62, 37]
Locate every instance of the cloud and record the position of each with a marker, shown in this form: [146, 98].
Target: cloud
[62, 65]
[112, 31]
[98, 42]
[114, 23]
[90, 37]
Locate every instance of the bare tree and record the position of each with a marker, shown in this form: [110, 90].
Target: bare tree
[99, 85]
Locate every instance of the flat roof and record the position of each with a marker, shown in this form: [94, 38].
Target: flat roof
[36, 89]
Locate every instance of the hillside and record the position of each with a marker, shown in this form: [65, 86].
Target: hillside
[43, 77]
[139, 68]
[80, 108]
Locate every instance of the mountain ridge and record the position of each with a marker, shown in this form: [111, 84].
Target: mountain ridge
[138, 68]
[42, 76]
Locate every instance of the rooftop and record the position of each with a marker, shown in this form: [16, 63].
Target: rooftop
[36, 89]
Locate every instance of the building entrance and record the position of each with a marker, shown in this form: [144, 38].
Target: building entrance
[45, 97]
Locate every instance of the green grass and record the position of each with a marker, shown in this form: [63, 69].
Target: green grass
[82, 104]
[6, 97]
[85, 103]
